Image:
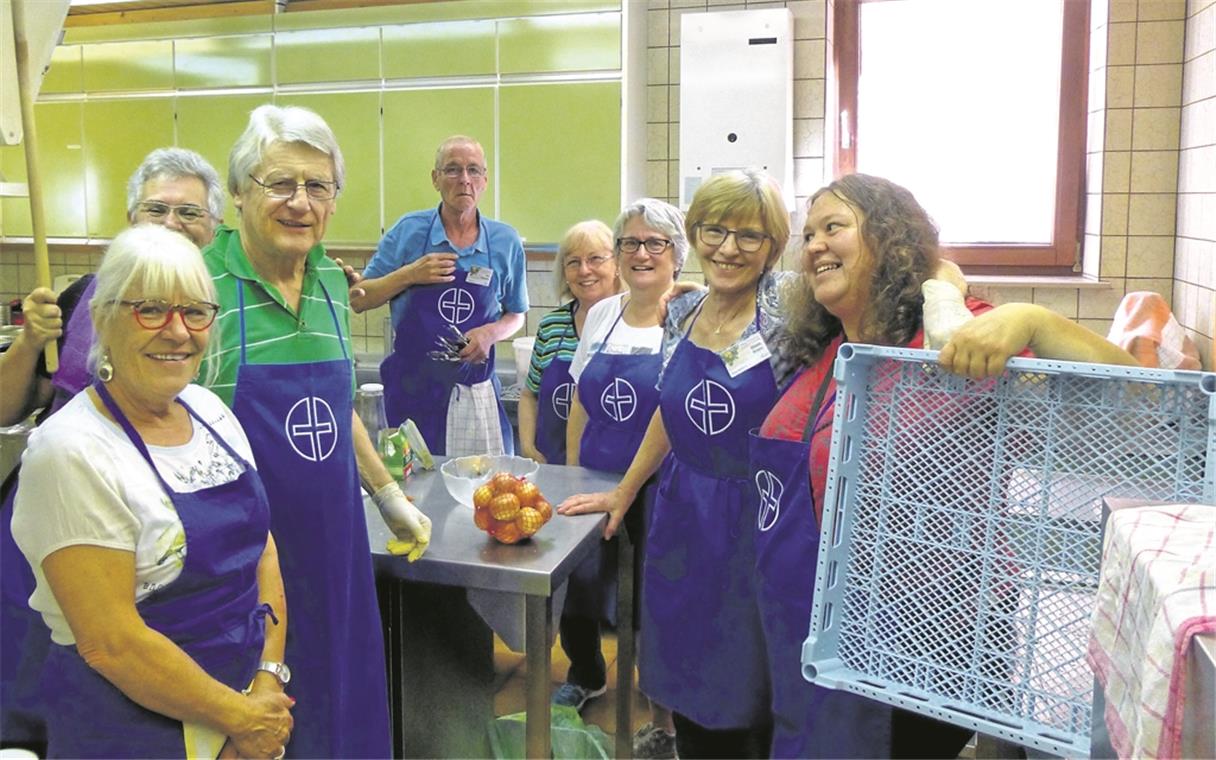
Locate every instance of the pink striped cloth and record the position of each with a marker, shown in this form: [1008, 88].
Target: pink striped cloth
[1157, 591]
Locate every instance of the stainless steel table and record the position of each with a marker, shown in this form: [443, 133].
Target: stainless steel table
[440, 651]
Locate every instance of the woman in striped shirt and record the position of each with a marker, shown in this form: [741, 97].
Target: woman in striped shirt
[585, 271]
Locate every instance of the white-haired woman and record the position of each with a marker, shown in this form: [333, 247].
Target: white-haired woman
[585, 272]
[616, 369]
[146, 526]
[286, 368]
[173, 187]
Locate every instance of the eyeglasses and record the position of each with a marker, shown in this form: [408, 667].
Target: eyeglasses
[283, 189]
[453, 171]
[654, 245]
[594, 262]
[155, 314]
[186, 214]
[748, 241]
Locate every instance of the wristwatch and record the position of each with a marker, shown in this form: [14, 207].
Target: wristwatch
[277, 669]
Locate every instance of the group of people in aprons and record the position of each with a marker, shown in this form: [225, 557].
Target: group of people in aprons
[701, 402]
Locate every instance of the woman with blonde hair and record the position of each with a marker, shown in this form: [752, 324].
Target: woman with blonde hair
[703, 653]
[585, 272]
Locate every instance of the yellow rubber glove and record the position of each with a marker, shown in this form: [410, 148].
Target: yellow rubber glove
[411, 527]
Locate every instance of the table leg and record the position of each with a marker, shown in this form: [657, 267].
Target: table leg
[537, 637]
[624, 646]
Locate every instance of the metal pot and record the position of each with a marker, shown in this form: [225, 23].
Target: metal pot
[12, 443]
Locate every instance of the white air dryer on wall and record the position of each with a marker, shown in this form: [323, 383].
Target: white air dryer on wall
[736, 96]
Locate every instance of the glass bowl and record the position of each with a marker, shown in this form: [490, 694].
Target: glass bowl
[464, 475]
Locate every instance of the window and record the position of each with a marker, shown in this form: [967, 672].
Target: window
[978, 107]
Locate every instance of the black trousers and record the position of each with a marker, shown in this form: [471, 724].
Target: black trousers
[696, 741]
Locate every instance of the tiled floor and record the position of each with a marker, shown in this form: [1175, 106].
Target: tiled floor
[509, 692]
[510, 672]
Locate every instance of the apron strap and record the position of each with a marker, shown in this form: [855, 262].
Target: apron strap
[817, 407]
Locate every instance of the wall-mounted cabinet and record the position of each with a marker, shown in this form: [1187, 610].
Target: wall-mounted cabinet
[61, 157]
[128, 66]
[355, 119]
[454, 48]
[327, 55]
[242, 61]
[117, 136]
[392, 81]
[581, 42]
[561, 156]
[415, 122]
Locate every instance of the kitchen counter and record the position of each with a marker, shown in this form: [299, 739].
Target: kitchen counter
[440, 646]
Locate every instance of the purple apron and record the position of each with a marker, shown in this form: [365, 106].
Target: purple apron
[808, 721]
[618, 393]
[26, 639]
[210, 611]
[418, 387]
[553, 403]
[704, 651]
[298, 419]
[73, 373]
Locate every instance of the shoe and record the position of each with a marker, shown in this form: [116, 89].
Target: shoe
[573, 695]
[654, 743]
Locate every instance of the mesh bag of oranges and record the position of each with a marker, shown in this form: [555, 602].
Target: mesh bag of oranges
[509, 508]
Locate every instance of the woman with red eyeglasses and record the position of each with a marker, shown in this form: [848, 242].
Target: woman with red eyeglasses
[147, 528]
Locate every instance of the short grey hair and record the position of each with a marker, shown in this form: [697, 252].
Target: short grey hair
[452, 141]
[658, 215]
[280, 124]
[589, 233]
[154, 260]
[176, 163]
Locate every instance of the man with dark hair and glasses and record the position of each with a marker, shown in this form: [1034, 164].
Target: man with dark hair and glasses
[450, 274]
[172, 187]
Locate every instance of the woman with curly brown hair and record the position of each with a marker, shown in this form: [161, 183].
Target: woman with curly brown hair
[868, 249]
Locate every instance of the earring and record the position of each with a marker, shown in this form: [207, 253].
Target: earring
[105, 370]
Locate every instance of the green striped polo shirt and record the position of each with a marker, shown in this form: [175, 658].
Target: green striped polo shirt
[555, 337]
[274, 333]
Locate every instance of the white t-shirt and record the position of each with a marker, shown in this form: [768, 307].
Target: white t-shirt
[623, 340]
[84, 482]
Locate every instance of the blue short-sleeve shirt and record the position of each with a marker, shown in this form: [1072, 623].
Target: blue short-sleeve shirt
[421, 232]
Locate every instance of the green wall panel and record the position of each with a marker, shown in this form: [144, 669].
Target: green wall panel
[427, 50]
[355, 119]
[560, 43]
[118, 134]
[167, 30]
[415, 123]
[65, 73]
[437, 11]
[329, 55]
[561, 156]
[223, 61]
[210, 124]
[125, 66]
[61, 159]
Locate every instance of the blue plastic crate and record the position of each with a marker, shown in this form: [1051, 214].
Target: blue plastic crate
[962, 529]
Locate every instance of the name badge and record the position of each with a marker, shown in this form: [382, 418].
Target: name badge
[480, 276]
[745, 354]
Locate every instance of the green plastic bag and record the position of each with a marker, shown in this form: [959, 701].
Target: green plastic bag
[570, 737]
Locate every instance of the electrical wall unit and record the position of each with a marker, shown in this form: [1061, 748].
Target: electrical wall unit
[736, 96]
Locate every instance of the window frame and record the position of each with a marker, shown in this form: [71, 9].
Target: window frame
[1063, 255]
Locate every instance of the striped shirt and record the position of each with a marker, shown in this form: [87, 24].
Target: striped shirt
[555, 336]
[274, 333]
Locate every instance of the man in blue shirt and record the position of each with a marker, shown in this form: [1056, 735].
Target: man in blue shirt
[449, 271]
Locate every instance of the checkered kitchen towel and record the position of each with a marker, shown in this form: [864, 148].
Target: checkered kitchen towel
[1157, 590]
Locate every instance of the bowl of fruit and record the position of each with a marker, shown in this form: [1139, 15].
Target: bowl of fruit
[464, 475]
[507, 504]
